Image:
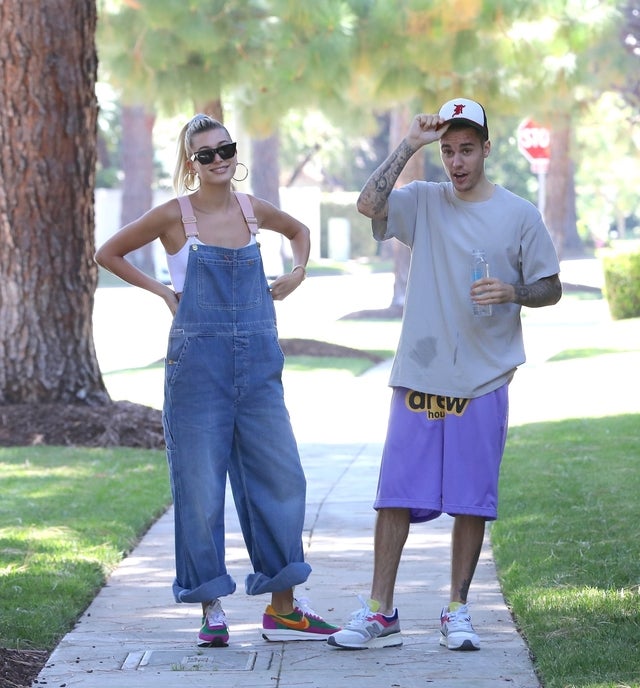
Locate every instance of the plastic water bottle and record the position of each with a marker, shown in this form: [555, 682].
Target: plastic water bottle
[479, 269]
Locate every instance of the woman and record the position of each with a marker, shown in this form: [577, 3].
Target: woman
[224, 411]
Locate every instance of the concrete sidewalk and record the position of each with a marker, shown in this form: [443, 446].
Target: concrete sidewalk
[134, 635]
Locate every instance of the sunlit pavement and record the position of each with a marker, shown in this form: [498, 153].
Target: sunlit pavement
[133, 635]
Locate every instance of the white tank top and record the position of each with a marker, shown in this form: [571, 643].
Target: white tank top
[177, 262]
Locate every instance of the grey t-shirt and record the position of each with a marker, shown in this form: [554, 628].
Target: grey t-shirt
[444, 349]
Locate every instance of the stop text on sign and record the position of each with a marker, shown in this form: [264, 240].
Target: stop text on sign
[534, 140]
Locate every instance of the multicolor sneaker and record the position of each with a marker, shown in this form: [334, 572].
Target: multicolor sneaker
[368, 628]
[456, 631]
[214, 631]
[302, 624]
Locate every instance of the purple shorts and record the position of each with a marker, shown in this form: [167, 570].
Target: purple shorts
[443, 454]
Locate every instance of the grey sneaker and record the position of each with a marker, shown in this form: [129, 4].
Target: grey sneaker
[368, 628]
[456, 631]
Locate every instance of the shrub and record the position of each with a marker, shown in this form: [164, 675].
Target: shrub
[622, 285]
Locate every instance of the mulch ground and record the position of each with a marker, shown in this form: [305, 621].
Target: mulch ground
[19, 668]
[119, 424]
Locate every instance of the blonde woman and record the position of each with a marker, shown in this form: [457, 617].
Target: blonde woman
[224, 412]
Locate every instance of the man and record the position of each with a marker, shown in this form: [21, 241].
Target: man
[450, 376]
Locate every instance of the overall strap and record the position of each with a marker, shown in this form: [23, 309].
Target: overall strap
[247, 211]
[188, 218]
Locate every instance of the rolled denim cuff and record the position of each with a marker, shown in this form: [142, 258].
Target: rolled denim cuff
[290, 576]
[211, 590]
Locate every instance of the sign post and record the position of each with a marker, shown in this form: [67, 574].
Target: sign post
[534, 143]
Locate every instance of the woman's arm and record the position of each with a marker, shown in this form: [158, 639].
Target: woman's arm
[270, 217]
[112, 254]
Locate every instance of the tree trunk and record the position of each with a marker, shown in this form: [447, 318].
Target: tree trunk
[137, 165]
[265, 178]
[558, 186]
[213, 108]
[414, 169]
[572, 246]
[265, 168]
[48, 114]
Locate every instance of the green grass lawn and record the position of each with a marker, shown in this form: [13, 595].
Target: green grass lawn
[567, 548]
[67, 517]
[569, 354]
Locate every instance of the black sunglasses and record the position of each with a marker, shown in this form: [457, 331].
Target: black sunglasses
[208, 155]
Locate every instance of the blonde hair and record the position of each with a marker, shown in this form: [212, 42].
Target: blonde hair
[197, 124]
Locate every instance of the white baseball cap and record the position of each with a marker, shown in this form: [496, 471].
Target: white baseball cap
[466, 111]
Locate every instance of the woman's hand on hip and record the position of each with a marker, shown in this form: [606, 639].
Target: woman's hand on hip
[286, 284]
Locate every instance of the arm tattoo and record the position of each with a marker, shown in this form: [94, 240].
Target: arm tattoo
[376, 191]
[544, 292]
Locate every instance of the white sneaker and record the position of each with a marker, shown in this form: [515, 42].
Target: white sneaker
[456, 631]
[368, 628]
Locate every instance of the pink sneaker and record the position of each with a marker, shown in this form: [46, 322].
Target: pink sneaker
[302, 624]
[214, 631]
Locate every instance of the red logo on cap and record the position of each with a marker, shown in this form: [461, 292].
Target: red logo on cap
[457, 110]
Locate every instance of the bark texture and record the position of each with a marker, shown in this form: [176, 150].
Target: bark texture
[48, 113]
[265, 177]
[137, 165]
[559, 185]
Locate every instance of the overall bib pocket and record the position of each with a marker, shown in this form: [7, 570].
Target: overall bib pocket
[218, 278]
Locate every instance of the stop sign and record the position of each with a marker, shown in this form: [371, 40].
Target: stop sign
[533, 142]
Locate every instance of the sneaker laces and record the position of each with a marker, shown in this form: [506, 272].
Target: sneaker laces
[215, 615]
[303, 604]
[460, 620]
[361, 614]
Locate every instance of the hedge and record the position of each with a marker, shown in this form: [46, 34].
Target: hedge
[622, 285]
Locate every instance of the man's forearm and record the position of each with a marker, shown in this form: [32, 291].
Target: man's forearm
[373, 198]
[544, 292]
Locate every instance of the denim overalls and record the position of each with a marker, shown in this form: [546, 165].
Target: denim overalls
[224, 413]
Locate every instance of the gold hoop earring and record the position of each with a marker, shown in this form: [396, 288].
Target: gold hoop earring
[190, 176]
[246, 172]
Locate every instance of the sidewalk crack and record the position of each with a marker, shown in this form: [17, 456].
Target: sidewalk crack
[331, 489]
